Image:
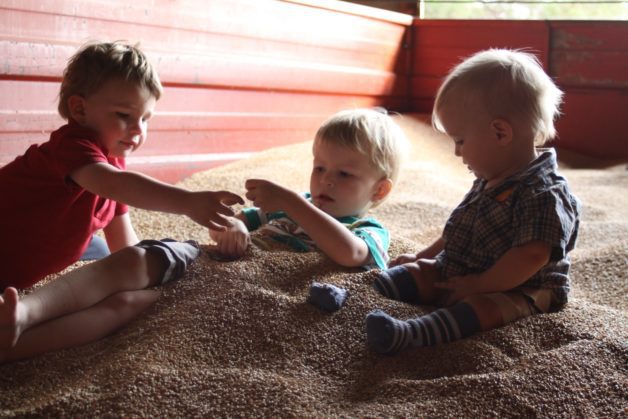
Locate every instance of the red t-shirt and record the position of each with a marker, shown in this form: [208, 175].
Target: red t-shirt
[46, 219]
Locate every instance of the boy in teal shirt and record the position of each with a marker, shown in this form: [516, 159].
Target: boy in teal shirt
[357, 155]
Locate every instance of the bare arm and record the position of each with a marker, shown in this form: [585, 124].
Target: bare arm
[331, 236]
[120, 233]
[432, 250]
[206, 208]
[514, 268]
[429, 252]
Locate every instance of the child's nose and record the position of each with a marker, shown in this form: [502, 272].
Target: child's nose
[137, 128]
[328, 179]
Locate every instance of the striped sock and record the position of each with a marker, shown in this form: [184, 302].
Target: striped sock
[386, 334]
[397, 284]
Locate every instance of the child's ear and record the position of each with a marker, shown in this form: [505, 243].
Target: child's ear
[382, 189]
[76, 106]
[502, 130]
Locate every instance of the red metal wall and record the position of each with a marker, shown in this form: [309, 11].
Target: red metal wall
[244, 75]
[588, 60]
[239, 75]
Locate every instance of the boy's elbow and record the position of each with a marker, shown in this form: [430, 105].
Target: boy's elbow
[351, 259]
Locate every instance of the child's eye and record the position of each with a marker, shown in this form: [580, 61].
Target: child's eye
[345, 174]
[318, 169]
[122, 115]
[458, 141]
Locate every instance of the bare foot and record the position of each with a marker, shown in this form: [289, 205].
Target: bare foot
[9, 324]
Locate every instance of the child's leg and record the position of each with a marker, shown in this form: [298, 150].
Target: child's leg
[129, 269]
[410, 283]
[477, 313]
[132, 268]
[83, 326]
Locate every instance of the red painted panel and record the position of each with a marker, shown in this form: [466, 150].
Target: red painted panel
[591, 68]
[181, 143]
[598, 36]
[258, 20]
[238, 75]
[422, 105]
[592, 55]
[481, 34]
[594, 123]
[216, 70]
[355, 42]
[425, 86]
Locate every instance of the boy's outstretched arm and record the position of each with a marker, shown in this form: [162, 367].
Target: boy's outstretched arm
[514, 268]
[331, 237]
[207, 208]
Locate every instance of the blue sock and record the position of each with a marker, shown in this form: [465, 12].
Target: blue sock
[385, 334]
[327, 296]
[397, 284]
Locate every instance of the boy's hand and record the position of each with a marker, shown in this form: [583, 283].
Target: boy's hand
[211, 209]
[233, 242]
[458, 287]
[401, 259]
[268, 196]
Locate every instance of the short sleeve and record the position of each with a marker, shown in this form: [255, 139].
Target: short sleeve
[550, 216]
[255, 218]
[376, 237]
[72, 153]
[121, 209]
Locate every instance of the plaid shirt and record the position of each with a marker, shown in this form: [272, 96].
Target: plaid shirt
[532, 205]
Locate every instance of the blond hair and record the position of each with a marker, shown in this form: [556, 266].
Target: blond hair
[94, 64]
[371, 132]
[510, 84]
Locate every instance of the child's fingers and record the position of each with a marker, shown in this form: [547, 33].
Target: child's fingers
[251, 195]
[218, 223]
[222, 212]
[252, 183]
[229, 198]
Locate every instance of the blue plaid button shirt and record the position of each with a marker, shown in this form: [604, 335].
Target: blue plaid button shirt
[532, 205]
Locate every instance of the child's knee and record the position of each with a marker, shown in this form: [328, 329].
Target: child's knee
[168, 259]
[132, 258]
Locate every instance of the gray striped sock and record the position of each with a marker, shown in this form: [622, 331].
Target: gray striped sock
[385, 334]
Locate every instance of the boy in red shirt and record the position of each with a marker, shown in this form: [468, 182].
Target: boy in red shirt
[56, 195]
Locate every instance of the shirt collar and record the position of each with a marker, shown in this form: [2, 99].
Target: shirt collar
[544, 163]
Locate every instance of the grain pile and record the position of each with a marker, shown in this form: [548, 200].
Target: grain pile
[237, 339]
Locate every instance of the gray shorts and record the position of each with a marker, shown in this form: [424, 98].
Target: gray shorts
[177, 255]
